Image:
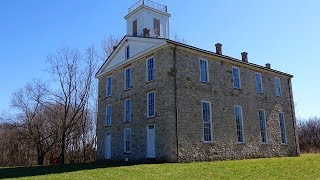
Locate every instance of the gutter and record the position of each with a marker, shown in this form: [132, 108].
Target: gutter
[175, 97]
[294, 121]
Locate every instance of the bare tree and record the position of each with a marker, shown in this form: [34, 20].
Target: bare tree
[74, 75]
[179, 39]
[35, 127]
[309, 135]
[108, 43]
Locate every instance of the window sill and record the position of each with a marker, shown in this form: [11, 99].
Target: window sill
[127, 152]
[284, 144]
[108, 96]
[205, 82]
[237, 88]
[241, 143]
[127, 122]
[151, 117]
[149, 81]
[107, 125]
[127, 89]
[208, 142]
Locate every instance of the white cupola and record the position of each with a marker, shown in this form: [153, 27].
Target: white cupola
[149, 19]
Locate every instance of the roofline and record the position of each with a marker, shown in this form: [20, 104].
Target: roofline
[227, 57]
[201, 50]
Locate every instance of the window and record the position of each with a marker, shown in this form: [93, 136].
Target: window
[150, 69]
[127, 110]
[109, 86]
[156, 27]
[127, 52]
[259, 87]
[278, 87]
[282, 128]
[127, 140]
[108, 115]
[127, 78]
[263, 126]
[204, 73]
[239, 123]
[150, 104]
[236, 78]
[207, 121]
[134, 28]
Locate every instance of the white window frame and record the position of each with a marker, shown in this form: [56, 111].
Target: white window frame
[259, 83]
[210, 122]
[129, 111]
[125, 140]
[154, 105]
[108, 122]
[201, 70]
[278, 86]
[147, 69]
[264, 124]
[127, 52]
[239, 77]
[125, 78]
[242, 130]
[284, 129]
[107, 86]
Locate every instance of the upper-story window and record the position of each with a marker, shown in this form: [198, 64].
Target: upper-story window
[239, 123]
[108, 115]
[156, 27]
[127, 110]
[204, 72]
[127, 52]
[207, 121]
[127, 78]
[150, 69]
[282, 128]
[236, 78]
[259, 87]
[135, 28]
[278, 86]
[109, 86]
[150, 104]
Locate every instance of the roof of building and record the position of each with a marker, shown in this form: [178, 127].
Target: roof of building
[207, 52]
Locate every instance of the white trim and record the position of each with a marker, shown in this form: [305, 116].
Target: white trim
[147, 69]
[235, 118]
[160, 44]
[125, 110]
[208, 74]
[107, 86]
[125, 78]
[275, 84]
[284, 126]
[211, 129]
[154, 104]
[106, 122]
[265, 125]
[239, 73]
[124, 140]
[255, 77]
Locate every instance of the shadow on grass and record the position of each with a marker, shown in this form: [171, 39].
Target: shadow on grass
[16, 172]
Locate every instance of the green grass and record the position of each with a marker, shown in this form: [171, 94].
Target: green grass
[305, 167]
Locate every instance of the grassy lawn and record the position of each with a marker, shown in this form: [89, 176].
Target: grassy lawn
[305, 167]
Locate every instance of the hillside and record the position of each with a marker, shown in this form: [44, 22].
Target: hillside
[307, 167]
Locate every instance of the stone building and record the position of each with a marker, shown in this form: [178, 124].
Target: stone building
[167, 101]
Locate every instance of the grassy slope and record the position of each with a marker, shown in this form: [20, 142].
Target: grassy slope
[305, 167]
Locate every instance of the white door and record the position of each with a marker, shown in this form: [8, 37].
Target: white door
[107, 154]
[151, 145]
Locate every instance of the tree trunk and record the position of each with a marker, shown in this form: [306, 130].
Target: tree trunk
[40, 159]
[63, 144]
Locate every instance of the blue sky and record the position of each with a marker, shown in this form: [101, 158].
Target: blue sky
[284, 33]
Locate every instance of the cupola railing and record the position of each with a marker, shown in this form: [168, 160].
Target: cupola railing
[148, 3]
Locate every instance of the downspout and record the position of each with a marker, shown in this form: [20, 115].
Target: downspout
[175, 97]
[293, 119]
